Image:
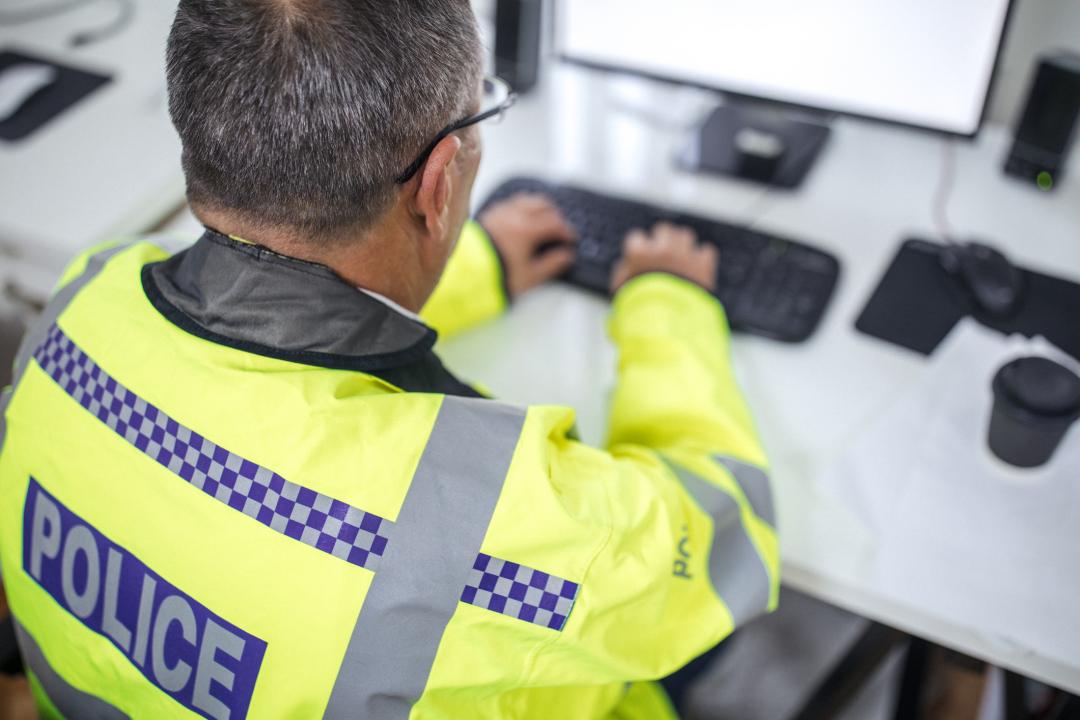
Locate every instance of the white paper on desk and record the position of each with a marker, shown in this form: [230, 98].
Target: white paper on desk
[961, 535]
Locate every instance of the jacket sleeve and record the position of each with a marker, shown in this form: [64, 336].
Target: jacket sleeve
[472, 289]
[691, 549]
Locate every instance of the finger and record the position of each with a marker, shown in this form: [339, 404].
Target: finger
[523, 203]
[636, 241]
[552, 263]
[680, 241]
[551, 225]
[619, 275]
[545, 210]
[709, 253]
[551, 214]
[664, 237]
[688, 236]
[709, 261]
[542, 202]
[533, 202]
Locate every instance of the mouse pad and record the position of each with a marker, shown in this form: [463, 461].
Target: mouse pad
[917, 303]
[71, 86]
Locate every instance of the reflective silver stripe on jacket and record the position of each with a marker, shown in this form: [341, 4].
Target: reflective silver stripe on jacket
[40, 329]
[429, 559]
[755, 485]
[69, 700]
[59, 302]
[736, 569]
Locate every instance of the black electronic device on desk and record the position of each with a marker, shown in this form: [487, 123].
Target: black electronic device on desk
[770, 286]
[35, 90]
[1047, 126]
[928, 287]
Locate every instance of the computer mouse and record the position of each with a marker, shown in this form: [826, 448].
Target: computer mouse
[20, 82]
[992, 281]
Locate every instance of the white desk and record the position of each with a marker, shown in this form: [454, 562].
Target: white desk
[108, 166]
[872, 186]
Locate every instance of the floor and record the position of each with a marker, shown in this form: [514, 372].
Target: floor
[11, 328]
[776, 662]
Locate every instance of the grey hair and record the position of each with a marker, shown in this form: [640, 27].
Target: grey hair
[301, 113]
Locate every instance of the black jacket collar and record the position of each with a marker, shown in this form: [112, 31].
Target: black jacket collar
[247, 297]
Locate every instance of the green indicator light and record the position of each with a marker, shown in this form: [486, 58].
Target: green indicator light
[1044, 180]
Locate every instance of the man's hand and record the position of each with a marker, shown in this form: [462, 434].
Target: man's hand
[666, 248]
[533, 238]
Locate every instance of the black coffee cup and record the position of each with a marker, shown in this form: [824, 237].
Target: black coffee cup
[1036, 401]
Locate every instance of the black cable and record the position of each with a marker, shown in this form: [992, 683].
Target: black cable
[83, 37]
[649, 117]
[756, 208]
[760, 205]
[946, 182]
[121, 21]
[31, 14]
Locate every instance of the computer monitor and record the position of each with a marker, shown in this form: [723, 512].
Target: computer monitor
[924, 63]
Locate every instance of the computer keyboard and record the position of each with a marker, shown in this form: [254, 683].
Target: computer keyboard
[770, 286]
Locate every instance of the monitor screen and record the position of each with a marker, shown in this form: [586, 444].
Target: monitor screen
[919, 62]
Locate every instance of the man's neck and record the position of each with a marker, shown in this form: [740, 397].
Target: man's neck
[377, 259]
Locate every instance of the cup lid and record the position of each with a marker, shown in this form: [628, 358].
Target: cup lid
[1041, 387]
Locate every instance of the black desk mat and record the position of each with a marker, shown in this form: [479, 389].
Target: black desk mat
[917, 303]
[71, 86]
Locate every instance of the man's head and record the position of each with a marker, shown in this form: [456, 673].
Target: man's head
[296, 116]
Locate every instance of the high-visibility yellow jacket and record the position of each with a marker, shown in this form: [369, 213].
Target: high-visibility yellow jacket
[233, 486]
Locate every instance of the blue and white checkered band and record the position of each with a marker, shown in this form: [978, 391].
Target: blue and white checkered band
[520, 592]
[318, 520]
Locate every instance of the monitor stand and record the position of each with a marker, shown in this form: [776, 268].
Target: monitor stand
[763, 145]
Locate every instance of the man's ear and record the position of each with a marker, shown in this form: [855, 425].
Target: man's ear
[432, 197]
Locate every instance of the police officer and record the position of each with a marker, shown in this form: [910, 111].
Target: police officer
[236, 481]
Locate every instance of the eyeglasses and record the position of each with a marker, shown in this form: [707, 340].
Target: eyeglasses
[498, 98]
